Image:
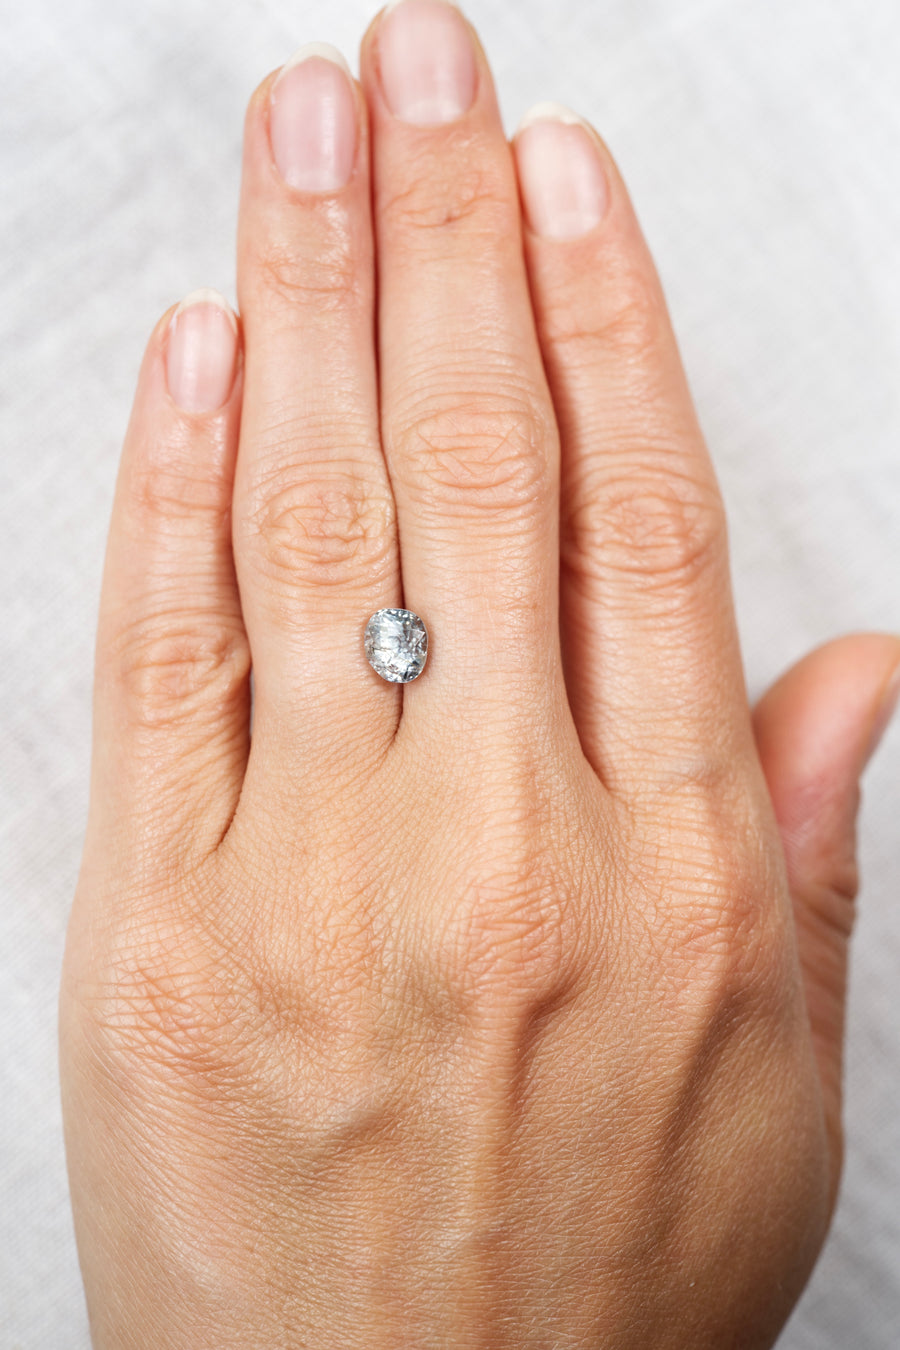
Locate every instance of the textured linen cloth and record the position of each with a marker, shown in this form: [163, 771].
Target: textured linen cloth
[760, 139]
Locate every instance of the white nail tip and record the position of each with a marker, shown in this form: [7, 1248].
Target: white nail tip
[395, 4]
[323, 50]
[550, 112]
[207, 296]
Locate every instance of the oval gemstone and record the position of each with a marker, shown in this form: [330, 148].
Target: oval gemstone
[396, 645]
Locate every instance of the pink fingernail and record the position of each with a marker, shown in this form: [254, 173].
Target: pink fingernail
[426, 61]
[564, 187]
[201, 352]
[313, 120]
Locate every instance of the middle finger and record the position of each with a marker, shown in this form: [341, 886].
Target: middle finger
[467, 423]
[315, 541]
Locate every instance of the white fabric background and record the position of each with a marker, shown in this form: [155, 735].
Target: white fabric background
[760, 139]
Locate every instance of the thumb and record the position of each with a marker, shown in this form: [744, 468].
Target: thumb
[815, 731]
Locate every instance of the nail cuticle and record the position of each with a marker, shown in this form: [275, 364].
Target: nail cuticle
[548, 111]
[395, 4]
[206, 295]
[323, 50]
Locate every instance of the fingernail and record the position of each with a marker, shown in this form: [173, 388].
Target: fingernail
[889, 701]
[201, 352]
[564, 186]
[426, 62]
[312, 120]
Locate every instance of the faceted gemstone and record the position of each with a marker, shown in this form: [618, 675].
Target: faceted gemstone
[396, 644]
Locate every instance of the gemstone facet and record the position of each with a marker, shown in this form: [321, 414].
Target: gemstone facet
[396, 645]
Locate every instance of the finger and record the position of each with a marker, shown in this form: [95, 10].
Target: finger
[171, 695]
[314, 523]
[466, 419]
[815, 730]
[650, 648]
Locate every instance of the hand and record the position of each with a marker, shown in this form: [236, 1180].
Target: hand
[494, 1010]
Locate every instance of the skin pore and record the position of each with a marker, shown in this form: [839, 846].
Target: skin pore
[503, 1009]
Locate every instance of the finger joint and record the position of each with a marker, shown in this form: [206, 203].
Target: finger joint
[476, 455]
[334, 529]
[173, 667]
[661, 529]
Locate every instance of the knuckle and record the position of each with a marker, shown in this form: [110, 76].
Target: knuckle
[337, 530]
[512, 943]
[163, 492]
[727, 946]
[174, 667]
[508, 934]
[630, 317]
[475, 454]
[662, 528]
[434, 201]
[726, 931]
[168, 1001]
[326, 279]
[509, 955]
[635, 318]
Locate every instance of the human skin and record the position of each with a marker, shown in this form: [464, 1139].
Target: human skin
[504, 1009]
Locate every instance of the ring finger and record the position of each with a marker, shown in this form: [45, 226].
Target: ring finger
[315, 539]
